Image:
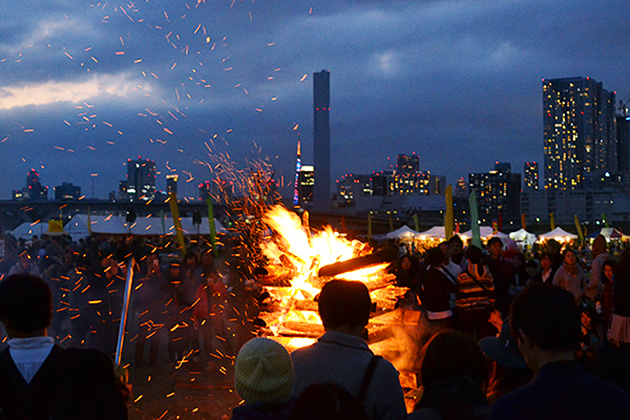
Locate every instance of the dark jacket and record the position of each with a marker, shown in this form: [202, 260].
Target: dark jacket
[263, 411]
[456, 398]
[72, 384]
[621, 285]
[503, 274]
[436, 290]
[564, 390]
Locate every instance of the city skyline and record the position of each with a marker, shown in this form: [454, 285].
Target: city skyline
[83, 87]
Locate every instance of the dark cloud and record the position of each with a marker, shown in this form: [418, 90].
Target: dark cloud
[458, 82]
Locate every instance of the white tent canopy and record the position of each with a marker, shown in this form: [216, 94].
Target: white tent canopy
[28, 230]
[558, 234]
[522, 235]
[485, 232]
[78, 226]
[612, 233]
[435, 232]
[404, 232]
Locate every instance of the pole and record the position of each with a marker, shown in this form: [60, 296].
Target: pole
[125, 312]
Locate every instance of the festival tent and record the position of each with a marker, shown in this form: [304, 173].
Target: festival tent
[404, 232]
[522, 235]
[28, 230]
[190, 228]
[435, 232]
[78, 225]
[486, 232]
[559, 235]
[117, 225]
[611, 233]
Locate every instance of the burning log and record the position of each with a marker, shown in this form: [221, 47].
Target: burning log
[383, 256]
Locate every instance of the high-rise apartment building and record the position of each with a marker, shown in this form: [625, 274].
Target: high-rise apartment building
[321, 140]
[530, 176]
[623, 143]
[461, 188]
[141, 179]
[498, 192]
[579, 131]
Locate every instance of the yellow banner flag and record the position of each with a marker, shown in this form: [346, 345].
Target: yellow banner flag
[552, 222]
[578, 227]
[55, 226]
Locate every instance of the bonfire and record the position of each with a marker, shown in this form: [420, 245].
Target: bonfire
[301, 261]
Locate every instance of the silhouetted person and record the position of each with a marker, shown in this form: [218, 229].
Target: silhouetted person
[545, 322]
[454, 374]
[503, 274]
[39, 379]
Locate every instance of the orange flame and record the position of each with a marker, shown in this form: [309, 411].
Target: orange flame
[297, 254]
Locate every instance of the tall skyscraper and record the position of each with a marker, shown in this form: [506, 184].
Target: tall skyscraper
[141, 179]
[579, 131]
[530, 174]
[321, 139]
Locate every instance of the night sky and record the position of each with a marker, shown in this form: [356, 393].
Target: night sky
[85, 86]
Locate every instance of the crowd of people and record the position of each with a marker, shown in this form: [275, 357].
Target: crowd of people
[510, 336]
[180, 308]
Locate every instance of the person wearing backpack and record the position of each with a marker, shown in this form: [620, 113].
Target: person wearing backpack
[341, 356]
[475, 297]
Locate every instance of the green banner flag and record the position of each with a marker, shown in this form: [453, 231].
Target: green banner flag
[415, 222]
[448, 215]
[605, 221]
[177, 221]
[213, 228]
[474, 219]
